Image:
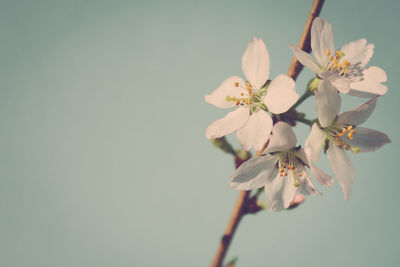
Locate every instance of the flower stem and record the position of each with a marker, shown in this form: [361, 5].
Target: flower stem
[305, 121]
[307, 93]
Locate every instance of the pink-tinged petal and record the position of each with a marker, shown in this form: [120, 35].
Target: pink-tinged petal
[371, 84]
[230, 123]
[368, 140]
[305, 59]
[256, 131]
[322, 177]
[281, 94]
[314, 142]
[359, 114]
[227, 89]
[342, 167]
[358, 53]
[322, 40]
[254, 173]
[328, 103]
[297, 201]
[255, 63]
[282, 138]
[280, 192]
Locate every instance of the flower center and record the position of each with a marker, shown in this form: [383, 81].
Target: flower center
[340, 134]
[336, 63]
[253, 98]
[287, 163]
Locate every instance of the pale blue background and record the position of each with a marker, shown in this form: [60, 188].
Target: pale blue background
[103, 159]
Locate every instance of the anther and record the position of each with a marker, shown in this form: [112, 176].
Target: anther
[328, 52]
[346, 63]
[236, 84]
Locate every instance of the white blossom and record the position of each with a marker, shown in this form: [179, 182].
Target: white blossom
[282, 171]
[343, 134]
[253, 98]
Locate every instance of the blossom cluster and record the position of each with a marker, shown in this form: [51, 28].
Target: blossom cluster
[259, 120]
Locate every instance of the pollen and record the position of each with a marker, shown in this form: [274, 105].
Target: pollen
[236, 84]
[328, 52]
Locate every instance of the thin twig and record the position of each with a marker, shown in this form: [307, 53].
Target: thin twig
[305, 39]
[240, 206]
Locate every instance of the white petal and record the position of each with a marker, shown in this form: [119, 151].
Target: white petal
[322, 39]
[314, 142]
[227, 88]
[281, 94]
[368, 140]
[255, 63]
[282, 138]
[280, 192]
[254, 173]
[341, 83]
[358, 52]
[230, 123]
[256, 131]
[359, 114]
[342, 167]
[328, 103]
[305, 59]
[302, 157]
[371, 83]
[322, 177]
[306, 186]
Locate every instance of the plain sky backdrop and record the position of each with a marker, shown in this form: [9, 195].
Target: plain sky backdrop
[103, 158]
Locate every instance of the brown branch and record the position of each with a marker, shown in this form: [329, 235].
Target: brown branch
[305, 39]
[241, 204]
